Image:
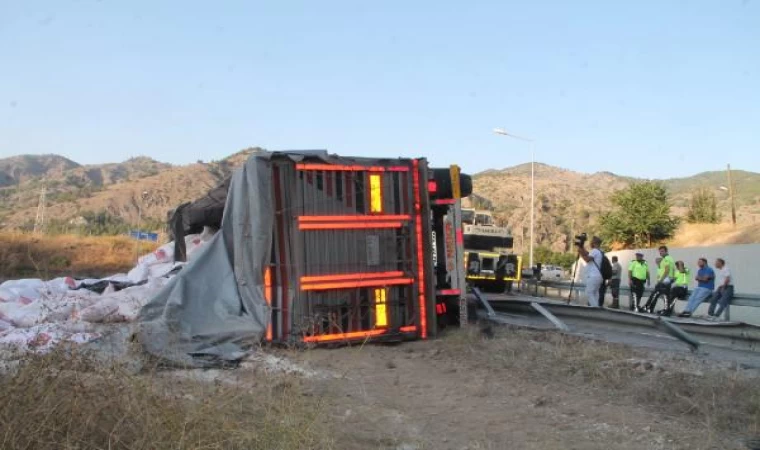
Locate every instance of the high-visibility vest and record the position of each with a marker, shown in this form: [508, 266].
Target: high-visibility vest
[672, 266]
[682, 278]
[639, 269]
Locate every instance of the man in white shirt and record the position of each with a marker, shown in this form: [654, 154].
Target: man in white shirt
[593, 272]
[724, 292]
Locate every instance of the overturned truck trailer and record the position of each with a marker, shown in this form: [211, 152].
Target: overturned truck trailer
[360, 248]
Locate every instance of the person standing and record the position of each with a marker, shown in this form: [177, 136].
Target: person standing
[705, 285]
[725, 291]
[614, 283]
[593, 272]
[638, 274]
[666, 270]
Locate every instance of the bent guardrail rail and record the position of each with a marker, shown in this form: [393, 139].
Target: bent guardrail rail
[740, 299]
[734, 335]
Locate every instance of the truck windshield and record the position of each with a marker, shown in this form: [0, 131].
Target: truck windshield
[484, 219]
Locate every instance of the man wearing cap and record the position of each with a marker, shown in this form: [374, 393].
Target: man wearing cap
[593, 273]
[638, 274]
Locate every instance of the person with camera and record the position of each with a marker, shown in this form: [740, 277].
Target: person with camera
[593, 272]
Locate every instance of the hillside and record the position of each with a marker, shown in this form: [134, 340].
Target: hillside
[119, 189]
[567, 202]
[18, 169]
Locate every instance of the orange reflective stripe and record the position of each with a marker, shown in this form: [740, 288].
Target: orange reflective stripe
[348, 226]
[354, 218]
[356, 284]
[350, 168]
[344, 336]
[351, 276]
[408, 329]
[268, 298]
[339, 167]
[420, 251]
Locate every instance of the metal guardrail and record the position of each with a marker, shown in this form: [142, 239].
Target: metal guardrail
[733, 335]
[750, 300]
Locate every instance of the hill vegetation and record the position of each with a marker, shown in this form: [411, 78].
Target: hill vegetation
[26, 255]
[109, 198]
[568, 203]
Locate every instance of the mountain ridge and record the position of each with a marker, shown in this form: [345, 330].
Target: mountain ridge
[567, 201]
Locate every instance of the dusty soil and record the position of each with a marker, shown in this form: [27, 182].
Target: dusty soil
[464, 391]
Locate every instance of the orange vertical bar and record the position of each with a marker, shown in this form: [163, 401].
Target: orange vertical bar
[420, 252]
[268, 298]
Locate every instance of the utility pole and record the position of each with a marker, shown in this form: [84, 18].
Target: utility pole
[39, 220]
[731, 193]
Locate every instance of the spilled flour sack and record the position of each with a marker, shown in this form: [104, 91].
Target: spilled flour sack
[36, 315]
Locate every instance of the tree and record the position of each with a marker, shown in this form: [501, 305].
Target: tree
[703, 207]
[640, 216]
[545, 255]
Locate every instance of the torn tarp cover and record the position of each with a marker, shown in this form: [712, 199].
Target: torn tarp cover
[215, 306]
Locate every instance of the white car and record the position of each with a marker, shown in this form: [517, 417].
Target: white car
[551, 273]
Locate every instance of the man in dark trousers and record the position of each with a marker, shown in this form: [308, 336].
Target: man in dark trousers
[638, 274]
[614, 283]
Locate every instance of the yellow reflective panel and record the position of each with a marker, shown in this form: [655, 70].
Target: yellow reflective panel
[375, 193]
[381, 312]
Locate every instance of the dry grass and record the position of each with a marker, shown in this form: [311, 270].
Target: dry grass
[29, 255]
[66, 402]
[702, 235]
[722, 400]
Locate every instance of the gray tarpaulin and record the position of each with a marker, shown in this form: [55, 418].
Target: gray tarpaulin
[215, 306]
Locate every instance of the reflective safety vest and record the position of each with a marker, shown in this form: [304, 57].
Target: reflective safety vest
[660, 270]
[672, 266]
[682, 278]
[638, 269]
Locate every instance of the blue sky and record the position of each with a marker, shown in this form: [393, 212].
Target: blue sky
[649, 88]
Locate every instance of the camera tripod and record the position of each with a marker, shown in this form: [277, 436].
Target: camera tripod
[572, 282]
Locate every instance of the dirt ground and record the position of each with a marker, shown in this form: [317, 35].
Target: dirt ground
[464, 391]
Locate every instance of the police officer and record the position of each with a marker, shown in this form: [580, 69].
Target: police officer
[638, 274]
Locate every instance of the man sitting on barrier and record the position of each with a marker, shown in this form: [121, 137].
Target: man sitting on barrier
[705, 285]
[725, 291]
[679, 290]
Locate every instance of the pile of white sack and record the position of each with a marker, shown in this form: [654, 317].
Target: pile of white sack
[36, 315]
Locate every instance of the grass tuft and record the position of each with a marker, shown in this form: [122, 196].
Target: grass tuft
[723, 400]
[64, 401]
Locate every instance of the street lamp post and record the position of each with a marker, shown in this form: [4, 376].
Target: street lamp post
[502, 132]
[731, 193]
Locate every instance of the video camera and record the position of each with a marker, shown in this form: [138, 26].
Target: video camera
[580, 240]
